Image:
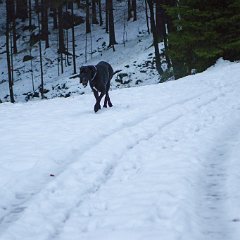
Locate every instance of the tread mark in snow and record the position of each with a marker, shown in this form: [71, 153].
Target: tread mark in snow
[213, 209]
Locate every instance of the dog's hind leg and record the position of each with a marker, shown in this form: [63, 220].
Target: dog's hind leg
[105, 100]
[109, 101]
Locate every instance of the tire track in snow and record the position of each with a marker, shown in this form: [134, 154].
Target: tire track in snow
[215, 226]
[213, 209]
[106, 175]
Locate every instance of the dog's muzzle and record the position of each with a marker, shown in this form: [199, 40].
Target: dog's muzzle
[83, 82]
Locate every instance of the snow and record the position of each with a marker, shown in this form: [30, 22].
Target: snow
[162, 163]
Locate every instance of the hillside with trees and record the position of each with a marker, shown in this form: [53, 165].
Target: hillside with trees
[43, 39]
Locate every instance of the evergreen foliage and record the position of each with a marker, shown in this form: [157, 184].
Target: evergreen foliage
[204, 31]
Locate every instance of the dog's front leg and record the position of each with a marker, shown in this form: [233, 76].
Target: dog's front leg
[98, 105]
[95, 92]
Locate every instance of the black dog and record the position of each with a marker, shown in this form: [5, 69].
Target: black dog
[99, 77]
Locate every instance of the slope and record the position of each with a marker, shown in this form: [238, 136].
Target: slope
[162, 163]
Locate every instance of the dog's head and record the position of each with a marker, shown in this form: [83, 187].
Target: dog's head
[86, 74]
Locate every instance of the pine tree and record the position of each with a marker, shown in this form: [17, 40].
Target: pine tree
[230, 24]
[205, 31]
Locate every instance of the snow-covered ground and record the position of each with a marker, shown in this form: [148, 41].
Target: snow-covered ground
[163, 163]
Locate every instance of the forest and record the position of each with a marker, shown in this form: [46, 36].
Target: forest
[194, 33]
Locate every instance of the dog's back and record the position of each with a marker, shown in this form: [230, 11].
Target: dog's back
[106, 70]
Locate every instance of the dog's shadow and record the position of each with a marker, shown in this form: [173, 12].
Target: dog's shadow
[90, 112]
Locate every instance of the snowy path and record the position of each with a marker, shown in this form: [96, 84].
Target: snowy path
[161, 163]
[214, 196]
[11, 213]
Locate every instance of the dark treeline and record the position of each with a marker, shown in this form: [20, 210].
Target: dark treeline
[195, 33]
[204, 30]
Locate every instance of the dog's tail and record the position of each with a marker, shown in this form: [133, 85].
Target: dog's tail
[117, 72]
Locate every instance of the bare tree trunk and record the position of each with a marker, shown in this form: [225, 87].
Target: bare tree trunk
[88, 26]
[155, 40]
[107, 17]
[160, 20]
[132, 10]
[86, 47]
[46, 23]
[44, 20]
[30, 12]
[166, 19]
[40, 54]
[32, 69]
[146, 12]
[14, 31]
[12, 19]
[100, 12]
[10, 82]
[94, 13]
[134, 6]
[124, 30]
[73, 42]
[129, 10]
[11, 54]
[22, 9]
[37, 7]
[61, 49]
[112, 39]
[55, 22]
[78, 3]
